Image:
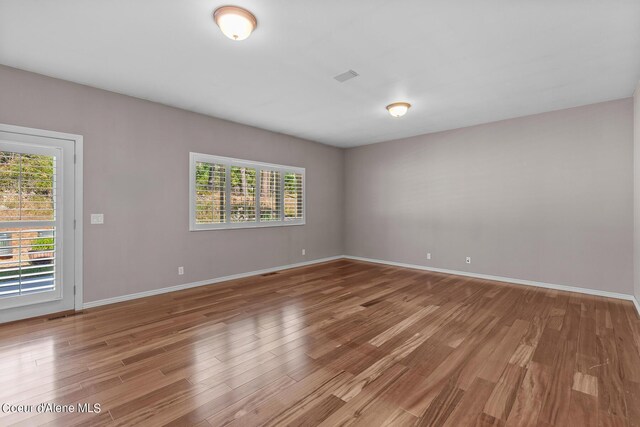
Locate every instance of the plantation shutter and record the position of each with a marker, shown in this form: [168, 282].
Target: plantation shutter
[28, 201]
[233, 193]
[243, 194]
[210, 193]
[293, 196]
[270, 196]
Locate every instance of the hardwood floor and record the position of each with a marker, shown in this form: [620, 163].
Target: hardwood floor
[338, 343]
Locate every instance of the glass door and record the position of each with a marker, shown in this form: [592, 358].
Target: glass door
[33, 207]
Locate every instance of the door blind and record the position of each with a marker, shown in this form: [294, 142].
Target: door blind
[27, 223]
[27, 187]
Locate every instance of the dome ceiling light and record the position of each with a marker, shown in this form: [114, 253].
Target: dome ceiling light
[398, 109]
[235, 22]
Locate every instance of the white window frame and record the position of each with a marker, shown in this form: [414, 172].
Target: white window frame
[228, 162]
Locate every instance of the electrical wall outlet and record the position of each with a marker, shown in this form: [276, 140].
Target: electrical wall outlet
[180, 271]
[304, 252]
[428, 255]
[468, 260]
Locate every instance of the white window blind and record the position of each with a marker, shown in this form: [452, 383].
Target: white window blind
[234, 193]
[243, 194]
[27, 184]
[210, 193]
[293, 200]
[270, 196]
[27, 223]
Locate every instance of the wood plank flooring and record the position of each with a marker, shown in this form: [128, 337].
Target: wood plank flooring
[340, 343]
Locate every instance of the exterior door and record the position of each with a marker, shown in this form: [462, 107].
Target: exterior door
[37, 238]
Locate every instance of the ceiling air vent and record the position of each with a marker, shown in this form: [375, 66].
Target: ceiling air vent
[347, 75]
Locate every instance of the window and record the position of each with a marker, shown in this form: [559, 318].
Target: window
[243, 194]
[270, 196]
[210, 193]
[232, 193]
[293, 203]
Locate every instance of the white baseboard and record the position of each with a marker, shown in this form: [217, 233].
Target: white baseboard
[505, 279]
[203, 283]
[376, 261]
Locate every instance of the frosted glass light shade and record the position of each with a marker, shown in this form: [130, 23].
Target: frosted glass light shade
[235, 22]
[398, 109]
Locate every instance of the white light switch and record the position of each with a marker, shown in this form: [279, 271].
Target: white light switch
[97, 218]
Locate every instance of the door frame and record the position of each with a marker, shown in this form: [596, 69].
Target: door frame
[78, 191]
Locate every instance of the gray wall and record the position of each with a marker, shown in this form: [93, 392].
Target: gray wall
[636, 198]
[136, 172]
[546, 198]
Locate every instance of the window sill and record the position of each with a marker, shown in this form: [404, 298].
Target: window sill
[236, 226]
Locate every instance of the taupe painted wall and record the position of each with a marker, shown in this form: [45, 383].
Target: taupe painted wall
[636, 157]
[136, 157]
[546, 198]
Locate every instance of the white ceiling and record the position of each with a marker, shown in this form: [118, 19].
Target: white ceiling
[459, 62]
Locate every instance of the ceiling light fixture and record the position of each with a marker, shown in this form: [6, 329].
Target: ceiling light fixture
[398, 109]
[235, 22]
